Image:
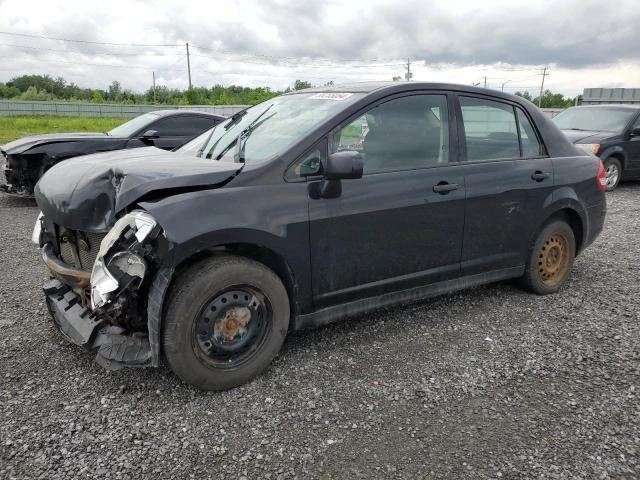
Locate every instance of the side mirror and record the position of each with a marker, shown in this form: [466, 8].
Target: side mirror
[635, 132]
[343, 166]
[339, 166]
[150, 134]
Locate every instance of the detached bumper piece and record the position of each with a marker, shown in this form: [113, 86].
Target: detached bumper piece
[113, 348]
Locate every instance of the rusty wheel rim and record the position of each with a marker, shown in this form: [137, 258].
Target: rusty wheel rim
[553, 259]
[232, 327]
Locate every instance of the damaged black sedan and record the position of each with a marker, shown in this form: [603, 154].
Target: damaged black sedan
[305, 209]
[27, 159]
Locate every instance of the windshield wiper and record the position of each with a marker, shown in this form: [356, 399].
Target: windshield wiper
[238, 156]
[235, 118]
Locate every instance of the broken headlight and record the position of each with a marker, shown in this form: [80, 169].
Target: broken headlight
[120, 263]
[37, 230]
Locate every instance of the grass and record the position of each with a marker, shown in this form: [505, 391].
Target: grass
[12, 128]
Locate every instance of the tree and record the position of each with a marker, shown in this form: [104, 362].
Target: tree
[96, 97]
[32, 94]
[301, 85]
[8, 92]
[115, 91]
[525, 95]
[396, 78]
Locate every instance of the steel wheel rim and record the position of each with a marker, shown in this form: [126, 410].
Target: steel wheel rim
[553, 259]
[611, 175]
[231, 327]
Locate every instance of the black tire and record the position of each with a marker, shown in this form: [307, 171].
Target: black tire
[192, 300]
[613, 172]
[551, 259]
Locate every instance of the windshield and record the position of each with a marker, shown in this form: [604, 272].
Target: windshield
[132, 126]
[270, 127]
[608, 119]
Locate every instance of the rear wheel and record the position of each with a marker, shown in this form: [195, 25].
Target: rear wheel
[612, 172]
[551, 259]
[226, 319]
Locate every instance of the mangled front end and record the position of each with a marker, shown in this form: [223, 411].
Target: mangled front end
[110, 260]
[105, 309]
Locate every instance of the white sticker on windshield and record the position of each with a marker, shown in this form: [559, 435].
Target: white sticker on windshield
[330, 96]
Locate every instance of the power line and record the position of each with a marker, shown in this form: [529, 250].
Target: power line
[28, 35]
[109, 65]
[288, 65]
[278, 58]
[114, 54]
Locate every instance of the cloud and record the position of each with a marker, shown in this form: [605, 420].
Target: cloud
[273, 42]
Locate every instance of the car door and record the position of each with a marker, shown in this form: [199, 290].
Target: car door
[508, 179]
[176, 130]
[400, 225]
[633, 151]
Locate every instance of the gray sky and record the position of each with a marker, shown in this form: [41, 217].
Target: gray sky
[586, 43]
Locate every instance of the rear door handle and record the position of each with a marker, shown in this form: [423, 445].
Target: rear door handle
[539, 176]
[445, 187]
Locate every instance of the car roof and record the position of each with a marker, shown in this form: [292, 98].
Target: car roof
[402, 86]
[182, 111]
[609, 105]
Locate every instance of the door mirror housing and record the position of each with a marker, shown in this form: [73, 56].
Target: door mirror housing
[635, 132]
[150, 134]
[343, 165]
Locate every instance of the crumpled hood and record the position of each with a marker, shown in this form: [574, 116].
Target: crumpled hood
[85, 193]
[583, 136]
[25, 143]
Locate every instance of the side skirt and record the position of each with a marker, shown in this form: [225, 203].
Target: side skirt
[337, 312]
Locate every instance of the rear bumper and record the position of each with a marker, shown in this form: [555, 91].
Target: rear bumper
[114, 349]
[597, 215]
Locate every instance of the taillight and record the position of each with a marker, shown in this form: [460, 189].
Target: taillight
[601, 178]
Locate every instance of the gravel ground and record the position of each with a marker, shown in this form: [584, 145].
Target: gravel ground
[487, 383]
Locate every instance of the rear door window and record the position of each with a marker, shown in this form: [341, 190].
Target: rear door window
[531, 146]
[490, 129]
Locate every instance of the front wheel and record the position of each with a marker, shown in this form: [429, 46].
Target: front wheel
[551, 259]
[226, 319]
[612, 172]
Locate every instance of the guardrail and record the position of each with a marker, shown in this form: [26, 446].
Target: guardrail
[65, 109]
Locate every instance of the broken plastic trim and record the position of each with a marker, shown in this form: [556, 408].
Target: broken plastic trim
[103, 282]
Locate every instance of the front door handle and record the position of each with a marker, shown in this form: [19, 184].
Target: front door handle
[539, 176]
[445, 187]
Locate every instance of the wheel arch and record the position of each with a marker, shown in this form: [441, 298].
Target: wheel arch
[573, 214]
[616, 152]
[166, 276]
[269, 257]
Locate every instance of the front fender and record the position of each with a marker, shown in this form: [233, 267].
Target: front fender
[615, 150]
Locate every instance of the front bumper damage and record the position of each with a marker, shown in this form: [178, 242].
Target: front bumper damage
[114, 349]
[115, 310]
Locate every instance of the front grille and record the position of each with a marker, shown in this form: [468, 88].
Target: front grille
[79, 246]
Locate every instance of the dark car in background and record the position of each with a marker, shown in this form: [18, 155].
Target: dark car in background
[302, 210]
[612, 132]
[28, 158]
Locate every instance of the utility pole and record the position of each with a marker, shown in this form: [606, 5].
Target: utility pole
[154, 86]
[544, 74]
[188, 65]
[485, 82]
[408, 75]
